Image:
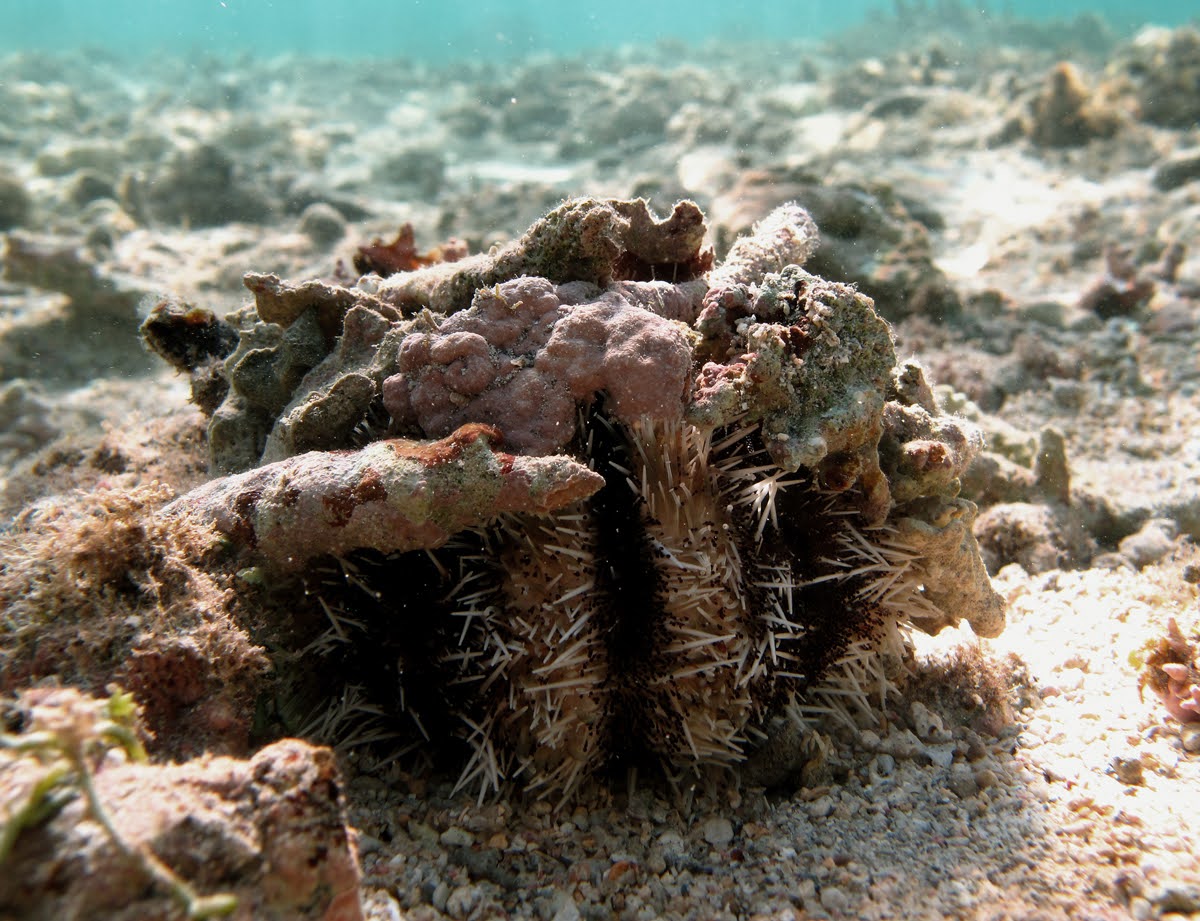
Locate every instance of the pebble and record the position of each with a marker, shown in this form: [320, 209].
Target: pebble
[904, 745]
[834, 900]
[1128, 770]
[717, 831]
[462, 901]
[927, 724]
[15, 203]
[322, 223]
[423, 834]
[1150, 544]
[962, 782]
[1189, 738]
[456, 837]
[941, 755]
[564, 907]
[671, 843]
[1176, 898]
[1141, 909]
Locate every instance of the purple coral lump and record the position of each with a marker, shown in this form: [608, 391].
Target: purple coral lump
[527, 352]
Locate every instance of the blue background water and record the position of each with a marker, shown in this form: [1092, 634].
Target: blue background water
[442, 29]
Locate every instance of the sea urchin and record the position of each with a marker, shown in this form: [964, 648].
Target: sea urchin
[724, 496]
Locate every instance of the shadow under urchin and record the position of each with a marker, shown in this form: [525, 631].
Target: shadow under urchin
[657, 624]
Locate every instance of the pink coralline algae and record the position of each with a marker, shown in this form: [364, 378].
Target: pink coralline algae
[527, 353]
[589, 499]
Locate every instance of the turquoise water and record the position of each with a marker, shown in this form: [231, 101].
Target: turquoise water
[452, 29]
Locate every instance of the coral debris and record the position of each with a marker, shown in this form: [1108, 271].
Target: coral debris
[402, 255]
[725, 497]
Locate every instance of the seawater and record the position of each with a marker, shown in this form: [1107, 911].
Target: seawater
[445, 30]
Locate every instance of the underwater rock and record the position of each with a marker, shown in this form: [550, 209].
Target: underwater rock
[582, 240]
[322, 223]
[393, 495]
[26, 418]
[88, 186]
[1165, 68]
[869, 238]
[270, 831]
[1180, 168]
[1066, 113]
[723, 493]
[198, 186]
[86, 559]
[62, 265]
[419, 169]
[99, 307]
[1039, 537]
[15, 203]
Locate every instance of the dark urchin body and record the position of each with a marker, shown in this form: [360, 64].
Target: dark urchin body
[659, 620]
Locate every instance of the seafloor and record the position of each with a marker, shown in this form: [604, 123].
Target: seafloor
[1023, 204]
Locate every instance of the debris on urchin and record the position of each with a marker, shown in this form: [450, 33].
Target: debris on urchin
[724, 501]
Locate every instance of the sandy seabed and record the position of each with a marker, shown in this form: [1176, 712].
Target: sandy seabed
[1022, 202]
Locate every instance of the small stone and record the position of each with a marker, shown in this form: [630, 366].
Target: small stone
[1128, 770]
[985, 778]
[927, 724]
[904, 745]
[821, 808]
[834, 900]
[962, 782]
[656, 861]
[441, 895]
[88, 186]
[1150, 544]
[1180, 168]
[717, 831]
[15, 203]
[1189, 737]
[322, 223]
[456, 837]
[1182, 899]
[564, 907]
[941, 755]
[423, 834]
[462, 901]
[883, 765]
[672, 845]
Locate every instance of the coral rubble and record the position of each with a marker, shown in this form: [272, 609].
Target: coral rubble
[1067, 113]
[724, 495]
[266, 836]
